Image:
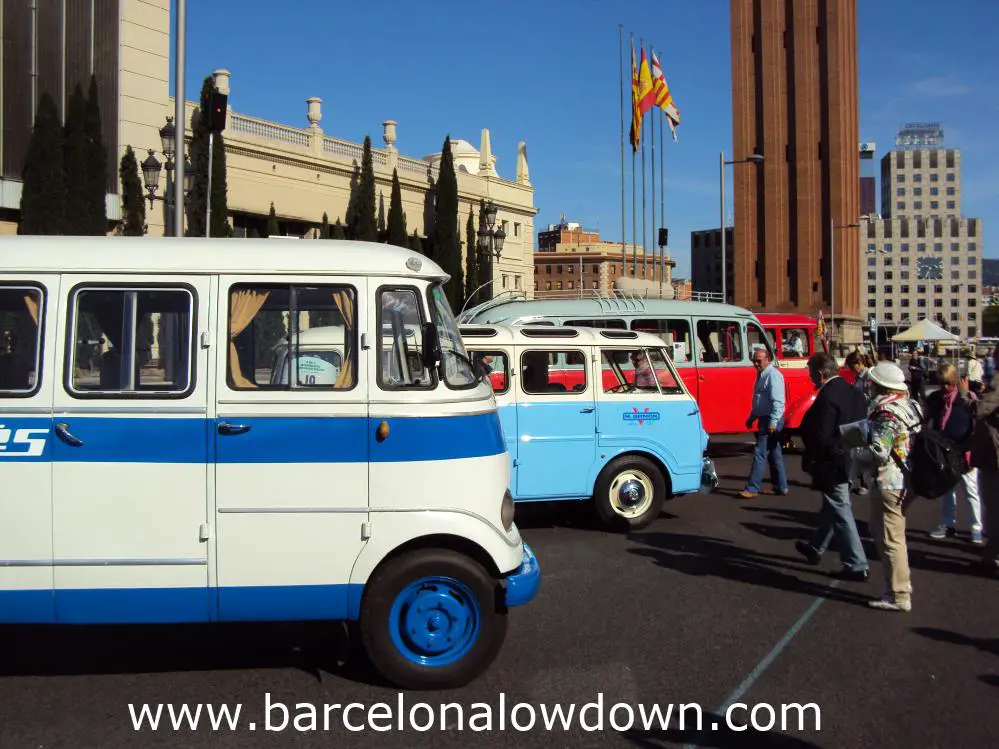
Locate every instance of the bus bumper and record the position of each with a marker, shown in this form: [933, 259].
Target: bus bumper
[709, 477]
[522, 585]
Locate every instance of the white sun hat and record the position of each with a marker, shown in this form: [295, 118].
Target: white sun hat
[888, 375]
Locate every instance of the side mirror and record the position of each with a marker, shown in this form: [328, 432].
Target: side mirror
[432, 353]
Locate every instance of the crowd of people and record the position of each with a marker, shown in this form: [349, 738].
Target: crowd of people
[859, 437]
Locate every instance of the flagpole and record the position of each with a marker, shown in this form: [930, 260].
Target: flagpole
[645, 253]
[620, 60]
[662, 196]
[652, 127]
[634, 226]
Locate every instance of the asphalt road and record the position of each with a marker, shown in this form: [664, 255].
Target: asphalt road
[712, 601]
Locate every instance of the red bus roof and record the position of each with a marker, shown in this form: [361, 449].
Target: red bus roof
[786, 319]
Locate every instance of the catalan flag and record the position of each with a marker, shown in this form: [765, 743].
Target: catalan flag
[663, 97]
[636, 116]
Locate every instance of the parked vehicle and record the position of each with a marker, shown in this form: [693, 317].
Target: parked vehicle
[794, 339]
[710, 344]
[591, 414]
[189, 435]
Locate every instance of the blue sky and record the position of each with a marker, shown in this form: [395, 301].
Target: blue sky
[547, 72]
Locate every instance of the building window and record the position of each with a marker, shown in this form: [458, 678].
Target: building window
[516, 228]
[900, 205]
[888, 247]
[938, 246]
[900, 178]
[921, 247]
[905, 288]
[917, 190]
[887, 261]
[972, 288]
[950, 177]
[905, 247]
[900, 192]
[955, 275]
[904, 261]
[905, 302]
[955, 260]
[888, 289]
[872, 275]
[918, 205]
[951, 191]
[872, 262]
[872, 289]
[934, 204]
[972, 246]
[933, 178]
[951, 205]
[934, 190]
[904, 275]
[917, 177]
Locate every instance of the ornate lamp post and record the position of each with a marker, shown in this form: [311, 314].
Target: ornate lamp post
[490, 245]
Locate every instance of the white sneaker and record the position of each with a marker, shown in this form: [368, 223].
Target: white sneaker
[888, 603]
[942, 531]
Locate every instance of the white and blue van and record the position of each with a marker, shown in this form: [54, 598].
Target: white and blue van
[198, 430]
[593, 414]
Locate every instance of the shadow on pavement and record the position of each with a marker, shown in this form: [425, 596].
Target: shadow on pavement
[579, 515]
[722, 738]
[312, 648]
[705, 556]
[956, 638]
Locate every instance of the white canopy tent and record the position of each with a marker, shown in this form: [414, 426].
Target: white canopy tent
[925, 330]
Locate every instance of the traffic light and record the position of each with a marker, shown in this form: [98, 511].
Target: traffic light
[217, 104]
[663, 236]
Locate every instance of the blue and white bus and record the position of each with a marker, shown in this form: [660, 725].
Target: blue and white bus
[176, 446]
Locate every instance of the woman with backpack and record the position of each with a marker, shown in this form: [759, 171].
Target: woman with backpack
[951, 411]
[893, 418]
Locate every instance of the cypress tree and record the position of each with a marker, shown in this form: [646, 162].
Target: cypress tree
[324, 228]
[97, 165]
[133, 203]
[471, 256]
[415, 244]
[381, 213]
[43, 195]
[198, 201]
[338, 231]
[397, 233]
[446, 244]
[362, 224]
[273, 229]
[76, 167]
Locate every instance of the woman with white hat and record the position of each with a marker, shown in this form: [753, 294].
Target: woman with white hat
[894, 418]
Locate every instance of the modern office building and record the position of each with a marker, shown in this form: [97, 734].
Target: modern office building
[795, 102]
[706, 261]
[923, 258]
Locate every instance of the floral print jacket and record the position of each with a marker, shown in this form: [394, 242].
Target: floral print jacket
[893, 420]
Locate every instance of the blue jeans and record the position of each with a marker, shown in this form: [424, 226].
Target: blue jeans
[836, 521]
[767, 447]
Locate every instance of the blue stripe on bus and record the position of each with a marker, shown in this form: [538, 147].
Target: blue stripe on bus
[180, 605]
[268, 440]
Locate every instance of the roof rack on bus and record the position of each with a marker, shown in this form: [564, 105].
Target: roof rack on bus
[619, 300]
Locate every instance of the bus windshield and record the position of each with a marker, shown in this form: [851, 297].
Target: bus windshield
[458, 371]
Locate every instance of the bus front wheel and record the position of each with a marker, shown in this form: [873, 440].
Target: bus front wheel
[629, 494]
[431, 619]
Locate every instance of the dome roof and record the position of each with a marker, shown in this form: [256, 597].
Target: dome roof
[465, 155]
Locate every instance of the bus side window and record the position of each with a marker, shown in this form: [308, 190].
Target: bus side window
[599, 323]
[21, 310]
[674, 332]
[720, 342]
[756, 338]
[495, 367]
[794, 344]
[536, 378]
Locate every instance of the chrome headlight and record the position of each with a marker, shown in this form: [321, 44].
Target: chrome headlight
[507, 511]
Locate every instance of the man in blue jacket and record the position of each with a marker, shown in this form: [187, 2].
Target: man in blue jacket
[768, 413]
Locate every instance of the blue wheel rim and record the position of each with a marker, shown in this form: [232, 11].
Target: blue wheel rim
[435, 621]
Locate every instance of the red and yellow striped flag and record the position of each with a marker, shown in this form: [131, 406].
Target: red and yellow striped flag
[663, 97]
[636, 116]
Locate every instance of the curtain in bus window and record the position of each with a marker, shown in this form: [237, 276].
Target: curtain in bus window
[243, 307]
[345, 304]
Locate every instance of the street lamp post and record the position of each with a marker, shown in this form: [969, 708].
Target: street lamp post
[151, 169]
[490, 242]
[754, 158]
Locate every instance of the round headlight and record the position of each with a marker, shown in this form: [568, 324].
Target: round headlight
[508, 510]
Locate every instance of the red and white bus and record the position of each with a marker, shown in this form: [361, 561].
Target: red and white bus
[711, 345]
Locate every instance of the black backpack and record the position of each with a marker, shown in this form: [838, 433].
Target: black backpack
[937, 464]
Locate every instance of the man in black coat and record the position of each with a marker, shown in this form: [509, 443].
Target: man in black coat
[827, 459]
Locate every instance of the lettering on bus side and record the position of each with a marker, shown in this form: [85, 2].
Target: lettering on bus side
[22, 443]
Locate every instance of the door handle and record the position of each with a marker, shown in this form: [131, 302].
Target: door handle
[227, 428]
[587, 410]
[66, 436]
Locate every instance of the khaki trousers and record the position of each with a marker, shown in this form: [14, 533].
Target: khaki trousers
[988, 490]
[888, 532]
